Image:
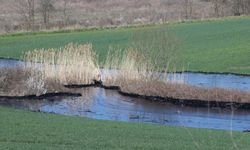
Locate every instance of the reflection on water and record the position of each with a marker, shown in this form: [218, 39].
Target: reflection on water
[218, 80]
[104, 104]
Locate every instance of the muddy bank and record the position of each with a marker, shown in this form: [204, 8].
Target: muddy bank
[44, 96]
[180, 102]
[215, 73]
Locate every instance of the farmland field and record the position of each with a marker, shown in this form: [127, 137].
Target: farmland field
[209, 46]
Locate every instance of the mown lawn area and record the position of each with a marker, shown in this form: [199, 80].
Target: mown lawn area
[21, 129]
[211, 46]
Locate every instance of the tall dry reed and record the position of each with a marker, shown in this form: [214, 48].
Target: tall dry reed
[132, 65]
[72, 64]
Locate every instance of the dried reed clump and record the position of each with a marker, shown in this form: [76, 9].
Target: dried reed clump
[3, 78]
[12, 81]
[132, 65]
[73, 64]
[20, 82]
[136, 75]
[35, 83]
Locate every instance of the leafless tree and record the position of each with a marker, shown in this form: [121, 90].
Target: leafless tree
[26, 8]
[237, 7]
[219, 7]
[241, 7]
[216, 7]
[46, 7]
[188, 8]
[66, 9]
[245, 6]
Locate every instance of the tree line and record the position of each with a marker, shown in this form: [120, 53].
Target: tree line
[45, 8]
[237, 7]
[40, 12]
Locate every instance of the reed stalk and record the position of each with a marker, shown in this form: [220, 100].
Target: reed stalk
[72, 64]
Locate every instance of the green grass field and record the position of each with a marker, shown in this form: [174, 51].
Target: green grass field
[210, 46]
[23, 130]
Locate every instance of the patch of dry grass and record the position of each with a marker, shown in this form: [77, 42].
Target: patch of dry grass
[19, 82]
[182, 91]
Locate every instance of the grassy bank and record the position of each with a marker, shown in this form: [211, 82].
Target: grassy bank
[21, 129]
[210, 46]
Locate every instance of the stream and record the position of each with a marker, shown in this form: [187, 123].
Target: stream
[98, 103]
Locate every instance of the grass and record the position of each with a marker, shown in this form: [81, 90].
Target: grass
[20, 129]
[210, 46]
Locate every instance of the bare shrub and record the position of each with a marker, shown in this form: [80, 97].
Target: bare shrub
[158, 45]
[22, 81]
[13, 81]
[3, 78]
[152, 51]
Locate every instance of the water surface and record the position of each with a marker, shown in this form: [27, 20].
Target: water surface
[104, 104]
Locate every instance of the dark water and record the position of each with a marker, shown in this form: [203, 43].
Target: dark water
[104, 104]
